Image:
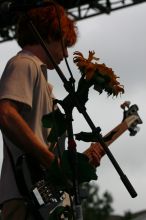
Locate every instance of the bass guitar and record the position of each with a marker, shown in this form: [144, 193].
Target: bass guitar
[31, 177]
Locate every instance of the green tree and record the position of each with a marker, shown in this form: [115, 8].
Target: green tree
[96, 206]
[128, 215]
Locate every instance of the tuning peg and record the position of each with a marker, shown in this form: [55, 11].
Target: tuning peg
[125, 104]
[134, 130]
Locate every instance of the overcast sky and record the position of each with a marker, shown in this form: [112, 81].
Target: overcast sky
[119, 40]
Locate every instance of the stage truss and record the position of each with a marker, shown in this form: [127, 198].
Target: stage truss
[79, 10]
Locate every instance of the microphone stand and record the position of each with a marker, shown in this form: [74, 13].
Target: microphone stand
[73, 100]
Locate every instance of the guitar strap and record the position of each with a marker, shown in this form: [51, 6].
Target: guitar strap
[30, 207]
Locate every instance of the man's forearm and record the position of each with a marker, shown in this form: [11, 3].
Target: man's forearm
[17, 130]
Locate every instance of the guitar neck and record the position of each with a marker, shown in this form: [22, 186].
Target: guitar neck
[116, 132]
[110, 137]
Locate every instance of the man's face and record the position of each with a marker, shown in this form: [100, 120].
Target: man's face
[56, 50]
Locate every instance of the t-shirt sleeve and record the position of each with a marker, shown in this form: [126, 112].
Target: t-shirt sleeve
[18, 81]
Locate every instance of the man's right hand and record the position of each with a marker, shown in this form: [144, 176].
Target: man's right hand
[95, 152]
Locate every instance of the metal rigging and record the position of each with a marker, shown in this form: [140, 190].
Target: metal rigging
[77, 9]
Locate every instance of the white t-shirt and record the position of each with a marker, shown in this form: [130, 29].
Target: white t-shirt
[24, 80]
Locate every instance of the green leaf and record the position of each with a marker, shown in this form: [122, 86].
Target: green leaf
[49, 119]
[86, 172]
[57, 122]
[59, 176]
[57, 131]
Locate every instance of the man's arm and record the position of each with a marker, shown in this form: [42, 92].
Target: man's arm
[17, 130]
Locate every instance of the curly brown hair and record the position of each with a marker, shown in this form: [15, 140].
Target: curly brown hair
[51, 21]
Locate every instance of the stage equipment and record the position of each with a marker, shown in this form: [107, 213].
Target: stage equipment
[77, 9]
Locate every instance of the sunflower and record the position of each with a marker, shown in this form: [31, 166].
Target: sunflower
[99, 75]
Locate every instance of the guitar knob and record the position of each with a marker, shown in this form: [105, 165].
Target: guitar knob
[125, 104]
[134, 130]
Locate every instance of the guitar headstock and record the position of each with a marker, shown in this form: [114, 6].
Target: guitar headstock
[131, 117]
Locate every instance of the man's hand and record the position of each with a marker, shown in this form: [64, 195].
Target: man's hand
[95, 152]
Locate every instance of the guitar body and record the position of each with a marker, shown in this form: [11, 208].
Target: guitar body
[36, 188]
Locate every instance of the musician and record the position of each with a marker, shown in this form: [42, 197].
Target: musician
[26, 95]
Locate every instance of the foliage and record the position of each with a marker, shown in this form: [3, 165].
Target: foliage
[128, 215]
[96, 206]
[86, 172]
[57, 122]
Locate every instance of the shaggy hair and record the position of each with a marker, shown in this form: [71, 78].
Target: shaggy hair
[50, 21]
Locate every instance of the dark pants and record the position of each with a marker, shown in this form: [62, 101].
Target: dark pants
[16, 209]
